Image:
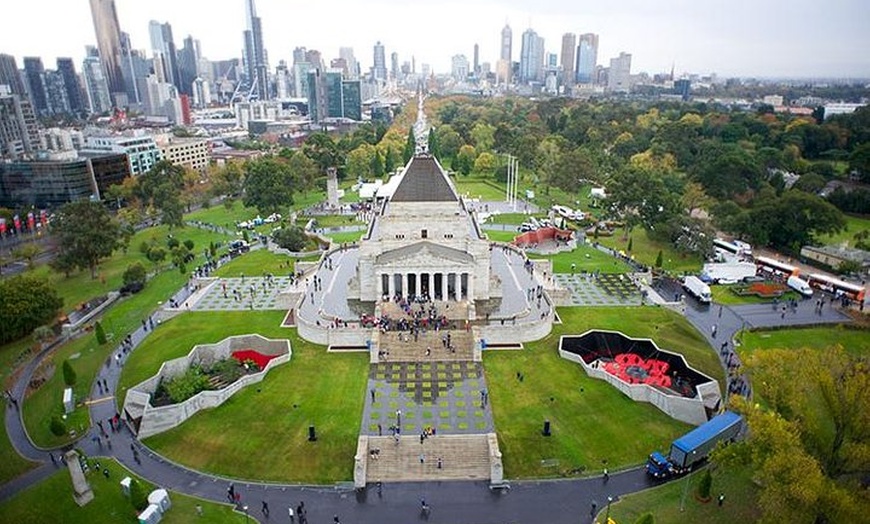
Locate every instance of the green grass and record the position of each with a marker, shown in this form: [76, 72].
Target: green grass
[313, 388]
[722, 294]
[664, 501]
[645, 250]
[599, 423]
[854, 224]
[332, 220]
[515, 219]
[500, 236]
[479, 187]
[855, 341]
[257, 263]
[349, 236]
[122, 318]
[220, 215]
[109, 505]
[585, 258]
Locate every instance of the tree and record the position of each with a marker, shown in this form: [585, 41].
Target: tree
[27, 252]
[449, 141]
[100, 333]
[706, 485]
[485, 163]
[269, 185]
[69, 374]
[85, 234]
[433, 145]
[482, 135]
[156, 254]
[138, 497]
[304, 170]
[26, 302]
[322, 149]
[42, 335]
[377, 165]
[464, 161]
[410, 146]
[135, 274]
[57, 426]
[390, 160]
[292, 238]
[228, 180]
[791, 221]
[641, 197]
[359, 162]
[161, 188]
[860, 161]
[659, 259]
[646, 518]
[630, 239]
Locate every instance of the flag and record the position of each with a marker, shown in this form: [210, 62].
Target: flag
[2, 227]
[17, 221]
[43, 217]
[31, 221]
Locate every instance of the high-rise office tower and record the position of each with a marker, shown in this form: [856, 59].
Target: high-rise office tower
[282, 81]
[532, 57]
[187, 60]
[19, 131]
[346, 53]
[163, 46]
[108, 33]
[587, 58]
[254, 57]
[299, 55]
[134, 67]
[96, 86]
[476, 63]
[506, 43]
[459, 68]
[394, 65]
[379, 71]
[34, 74]
[73, 88]
[314, 57]
[569, 46]
[55, 93]
[10, 76]
[619, 76]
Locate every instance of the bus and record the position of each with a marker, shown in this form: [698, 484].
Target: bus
[769, 266]
[729, 251]
[837, 287]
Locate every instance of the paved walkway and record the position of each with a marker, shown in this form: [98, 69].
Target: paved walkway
[602, 290]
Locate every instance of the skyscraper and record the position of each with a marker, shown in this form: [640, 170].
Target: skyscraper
[619, 76]
[96, 86]
[134, 68]
[394, 65]
[346, 53]
[108, 33]
[476, 62]
[254, 57]
[34, 74]
[459, 68]
[569, 45]
[532, 57]
[506, 43]
[187, 60]
[10, 76]
[379, 71]
[73, 88]
[165, 53]
[587, 58]
[19, 131]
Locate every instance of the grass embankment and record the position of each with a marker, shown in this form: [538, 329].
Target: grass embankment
[723, 294]
[262, 431]
[854, 224]
[585, 258]
[645, 250]
[855, 341]
[591, 420]
[257, 263]
[664, 502]
[109, 504]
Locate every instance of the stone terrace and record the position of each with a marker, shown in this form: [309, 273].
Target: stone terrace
[464, 457]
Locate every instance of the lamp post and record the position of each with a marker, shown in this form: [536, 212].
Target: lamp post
[607, 515]
[245, 509]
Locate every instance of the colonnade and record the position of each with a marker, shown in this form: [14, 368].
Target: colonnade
[438, 286]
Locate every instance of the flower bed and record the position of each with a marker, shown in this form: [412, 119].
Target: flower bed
[761, 289]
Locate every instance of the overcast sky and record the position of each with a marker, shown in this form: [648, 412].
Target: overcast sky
[797, 38]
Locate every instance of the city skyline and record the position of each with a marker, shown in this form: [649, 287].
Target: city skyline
[736, 38]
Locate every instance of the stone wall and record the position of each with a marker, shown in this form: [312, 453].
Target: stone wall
[159, 419]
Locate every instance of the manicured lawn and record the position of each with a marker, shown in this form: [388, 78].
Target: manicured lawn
[501, 236]
[332, 220]
[515, 219]
[475, 187]
[79, 287]
[585, 258]
[854, 224]
[257, 263]
[109, 504]
[262, 431]
[645, 250]
[855, 341]
[722, 294]
[591, 420]
[664, 501]
[349, 236]
[221, 215]
[87, 357]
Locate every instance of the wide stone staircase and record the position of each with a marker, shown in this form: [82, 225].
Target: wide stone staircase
[407, 350]
[464, 457]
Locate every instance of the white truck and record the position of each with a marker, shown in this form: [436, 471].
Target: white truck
[800, 285]
[698, 289]
[728, 272]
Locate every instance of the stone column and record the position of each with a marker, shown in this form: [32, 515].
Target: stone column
[457, 287]
[430, 279]
[405, 285]
[470, 287]
[443, 286]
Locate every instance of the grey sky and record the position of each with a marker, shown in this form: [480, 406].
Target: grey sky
[730, 37]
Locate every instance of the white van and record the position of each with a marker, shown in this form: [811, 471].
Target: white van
[800, 285]
[698, 289]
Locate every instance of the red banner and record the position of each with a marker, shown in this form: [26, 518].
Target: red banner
[2, 226]
[17, 222]
[43, 217]
[31, 221]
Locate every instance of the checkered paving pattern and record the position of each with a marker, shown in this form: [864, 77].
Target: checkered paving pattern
[604, 290]
[442, 395]
[256, 293]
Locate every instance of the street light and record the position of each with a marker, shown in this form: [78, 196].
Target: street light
[245, 509]
[607, 515]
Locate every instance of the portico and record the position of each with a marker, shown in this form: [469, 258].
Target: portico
[441, 285]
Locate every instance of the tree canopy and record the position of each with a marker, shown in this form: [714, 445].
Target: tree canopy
[26, 302]
[86, 234]
[269, 185]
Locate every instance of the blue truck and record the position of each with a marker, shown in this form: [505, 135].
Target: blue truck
[694, 447]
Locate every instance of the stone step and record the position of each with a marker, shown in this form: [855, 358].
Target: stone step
[464, 457]
[409, 350]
